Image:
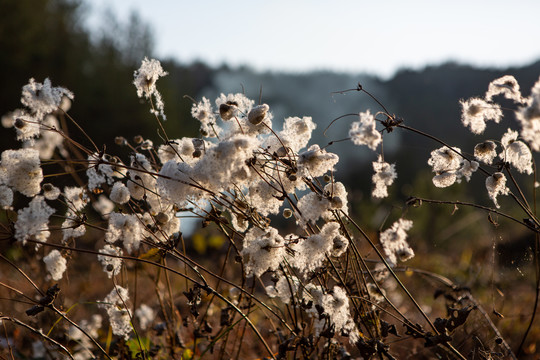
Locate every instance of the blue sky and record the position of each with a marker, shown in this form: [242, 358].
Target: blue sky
[353, 36]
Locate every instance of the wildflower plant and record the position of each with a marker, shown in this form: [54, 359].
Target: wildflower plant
[318, 289]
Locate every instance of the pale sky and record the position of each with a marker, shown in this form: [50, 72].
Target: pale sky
[376, 37]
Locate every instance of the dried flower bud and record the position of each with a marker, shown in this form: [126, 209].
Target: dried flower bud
[162, 218]
[19, 123]
[197, 143]
[48, 187]
[327, 178]
[119, 140]
[226, 111]
[281, 152]
[147, 145]
[197, 153]
[138, 139]
[257, 114]
[287, 213]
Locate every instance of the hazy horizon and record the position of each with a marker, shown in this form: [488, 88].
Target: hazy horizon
[348, 36]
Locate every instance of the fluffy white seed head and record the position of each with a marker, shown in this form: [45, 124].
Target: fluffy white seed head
[496, 185]
[119, 315]
[32, 221]
[76, 198]
[485, 152]
[364, 132]
[103, 206]
[72, 229]
[120, 193]
[384, 176]
[263, 250]
[126, 228]
[506, 86]
[316, 162]
[529, 118]
[43, 98]
[145, 81]
[516, 152]
[203, 112]
[111, 265]
[394, 242]
[22, 170]
[475, 113]
[56, 264]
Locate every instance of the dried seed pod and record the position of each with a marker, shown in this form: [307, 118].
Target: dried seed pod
[257, 114]
[197, 143]
[147, 145]
[197, 153]
[226, 111]
[287, 213]
[281, 152]
[138, 139]
[19, 123]
[119, 140]
[162, 218]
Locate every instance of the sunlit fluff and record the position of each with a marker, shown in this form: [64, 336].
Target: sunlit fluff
[496, 185]
[506, 86]
[145, 81]
[126, 228]
[485, 152]
[449, 166]
[529, 118]
[32, 221]
[475, 113]
[334, 306]
[516, 152]
[364, 132]
[111, 265]
[43, 98]
[56, 264]
[394, 242]
[119, 315]
[21, 171]
[310, 253]
[263, 250]
[384, 176]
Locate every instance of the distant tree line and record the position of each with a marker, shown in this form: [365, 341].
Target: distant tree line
[48, 38]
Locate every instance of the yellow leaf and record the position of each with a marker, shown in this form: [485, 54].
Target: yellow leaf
[199, 243]
[216, 241]
[152, 255]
